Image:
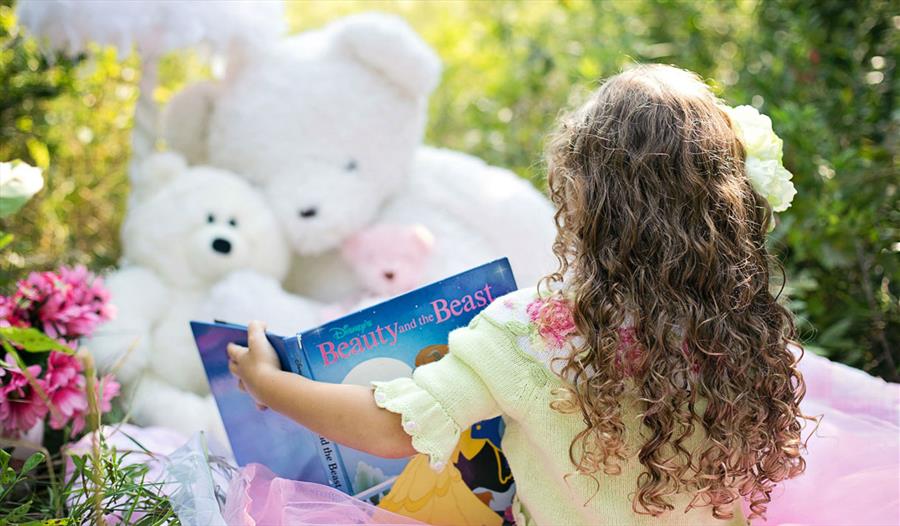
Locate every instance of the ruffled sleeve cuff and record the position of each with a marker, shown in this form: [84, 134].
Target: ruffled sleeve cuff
[433, 431]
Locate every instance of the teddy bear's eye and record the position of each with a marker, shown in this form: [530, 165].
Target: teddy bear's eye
[232, 222]
[210, 218]
[351, 166]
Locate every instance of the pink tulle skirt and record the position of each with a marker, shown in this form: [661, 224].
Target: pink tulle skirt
[852, 475]
[257, 497]
[852, 472]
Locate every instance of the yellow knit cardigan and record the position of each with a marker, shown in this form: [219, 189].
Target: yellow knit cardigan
[499, 365]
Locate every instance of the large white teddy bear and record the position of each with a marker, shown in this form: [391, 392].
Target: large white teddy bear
[329, 124]
[185, 229]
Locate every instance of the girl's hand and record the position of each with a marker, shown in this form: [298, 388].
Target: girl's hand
[253, 364]
[344, 413]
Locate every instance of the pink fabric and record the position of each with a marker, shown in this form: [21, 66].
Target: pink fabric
[852, 475]
[853, 460]
[849, 390]
[257, 497]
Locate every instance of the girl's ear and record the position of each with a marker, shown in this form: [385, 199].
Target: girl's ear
[387, 45]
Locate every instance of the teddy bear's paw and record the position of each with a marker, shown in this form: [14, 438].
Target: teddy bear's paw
[239, 297]
[246, 281]
[244, 296]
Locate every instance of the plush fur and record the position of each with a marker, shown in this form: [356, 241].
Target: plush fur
[389, 259]
[325, 122]
[153, 27]
[329, 123]
[186, 229]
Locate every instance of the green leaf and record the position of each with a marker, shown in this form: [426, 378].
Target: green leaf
[30, 339]
[32, 462]
[7, 476]
[836, 331]
[11, 205]
[5, 239]
[4, 459]
[15, 515]
[79, 462]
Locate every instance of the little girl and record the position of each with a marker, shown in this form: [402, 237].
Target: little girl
[649, 380]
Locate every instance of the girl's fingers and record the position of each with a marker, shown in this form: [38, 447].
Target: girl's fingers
[235, 351]
[256, 334]
[262, 407]
[241, 386]
[232, 366]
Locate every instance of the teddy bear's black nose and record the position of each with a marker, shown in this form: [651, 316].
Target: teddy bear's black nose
[307, 213]
[222, 246]
[389, 275]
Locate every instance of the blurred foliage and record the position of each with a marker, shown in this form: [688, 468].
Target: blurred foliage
[71, 117]
[824, 71]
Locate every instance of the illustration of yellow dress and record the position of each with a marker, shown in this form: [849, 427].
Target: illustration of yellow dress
[441, 498]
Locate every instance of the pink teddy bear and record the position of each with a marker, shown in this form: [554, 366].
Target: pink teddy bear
[389, 259]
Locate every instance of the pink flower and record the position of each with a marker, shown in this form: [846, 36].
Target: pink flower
[8, 316]
[63, 370]
[21, 408]
[65, 388]
[630, 352]
[66, 305]
[695, 364]
[553, 319]
[69, 403]
[110, 389]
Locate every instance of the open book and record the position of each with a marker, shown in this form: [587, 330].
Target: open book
[382, 342]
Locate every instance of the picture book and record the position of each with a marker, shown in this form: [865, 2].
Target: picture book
[381, 342]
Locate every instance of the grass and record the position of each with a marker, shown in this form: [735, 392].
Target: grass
[61, 488]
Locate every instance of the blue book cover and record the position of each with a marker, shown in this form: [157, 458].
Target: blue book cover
[382, 342]
[254, 435]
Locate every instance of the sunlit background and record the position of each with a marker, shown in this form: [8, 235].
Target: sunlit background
[824, 71]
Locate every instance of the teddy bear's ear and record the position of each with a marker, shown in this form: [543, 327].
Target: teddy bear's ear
[386, 44]
[186, 120]
[154, 172]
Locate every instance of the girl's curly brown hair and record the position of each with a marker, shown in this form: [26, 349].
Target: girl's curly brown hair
[660, 231]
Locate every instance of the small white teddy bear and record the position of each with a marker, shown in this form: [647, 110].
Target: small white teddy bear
[186, 229]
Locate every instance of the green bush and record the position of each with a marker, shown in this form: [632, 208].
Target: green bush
[824, 71]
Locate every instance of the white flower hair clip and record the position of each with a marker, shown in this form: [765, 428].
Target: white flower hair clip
[764, 168]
